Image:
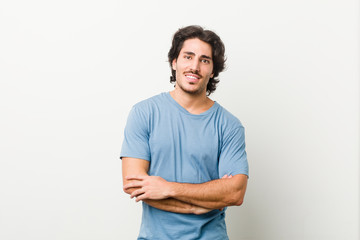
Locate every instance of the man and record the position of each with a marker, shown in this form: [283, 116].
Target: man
[183, 154]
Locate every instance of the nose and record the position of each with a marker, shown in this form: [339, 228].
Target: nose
[195, 65]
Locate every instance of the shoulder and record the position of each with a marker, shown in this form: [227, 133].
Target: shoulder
[150, 104]
[231, 129]
[227, 119]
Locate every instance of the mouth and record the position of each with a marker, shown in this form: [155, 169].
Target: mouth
[192, 77]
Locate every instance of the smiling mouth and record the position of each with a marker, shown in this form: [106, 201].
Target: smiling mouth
[192, 77]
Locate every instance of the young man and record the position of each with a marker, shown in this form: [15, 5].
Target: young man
[183, 154]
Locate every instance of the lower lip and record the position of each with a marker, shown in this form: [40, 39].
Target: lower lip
[193, 80]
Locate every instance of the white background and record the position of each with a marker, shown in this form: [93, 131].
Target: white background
[71, 70]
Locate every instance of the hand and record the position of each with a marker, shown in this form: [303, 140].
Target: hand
[200, 210]
[226, 176]
[149, 187]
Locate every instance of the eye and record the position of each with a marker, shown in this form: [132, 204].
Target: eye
[205, 61]
[187, 57]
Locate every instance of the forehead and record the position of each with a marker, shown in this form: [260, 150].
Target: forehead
[197, 46]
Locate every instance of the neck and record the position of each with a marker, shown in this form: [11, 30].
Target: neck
[193, 103]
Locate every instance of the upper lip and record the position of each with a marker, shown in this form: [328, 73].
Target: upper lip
[193, 75]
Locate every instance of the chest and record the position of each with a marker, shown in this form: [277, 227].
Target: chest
[185, 149]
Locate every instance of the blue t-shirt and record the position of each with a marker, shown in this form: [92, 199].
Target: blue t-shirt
[186, 148]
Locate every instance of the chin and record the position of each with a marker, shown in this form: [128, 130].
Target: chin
[193, 91]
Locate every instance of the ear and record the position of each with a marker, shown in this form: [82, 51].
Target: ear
[212, 75]
[173, 64]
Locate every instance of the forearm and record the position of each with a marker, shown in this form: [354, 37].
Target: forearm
[173, 205]
[170, 205]
[214, 194]
[176, 206]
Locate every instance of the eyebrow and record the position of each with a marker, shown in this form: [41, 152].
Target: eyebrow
[202, 56]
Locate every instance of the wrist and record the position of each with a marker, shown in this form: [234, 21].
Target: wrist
[193, 209]
[171, 190]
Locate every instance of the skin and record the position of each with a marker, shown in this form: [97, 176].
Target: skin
[181, 197]
[194, 68]
[140, 167]
[194, 61]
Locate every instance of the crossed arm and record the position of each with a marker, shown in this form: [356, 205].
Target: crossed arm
[181, 197]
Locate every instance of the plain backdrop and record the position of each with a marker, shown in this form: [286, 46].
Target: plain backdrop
[71, 70]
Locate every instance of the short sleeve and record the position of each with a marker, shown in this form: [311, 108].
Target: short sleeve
[136, 136]
[233, 158]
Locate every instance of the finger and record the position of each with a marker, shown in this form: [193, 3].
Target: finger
[133, 185]
[141, 197]
[135, 177]
[225, 176]
[137, 192]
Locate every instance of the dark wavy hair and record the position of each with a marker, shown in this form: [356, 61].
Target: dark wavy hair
[217, 46]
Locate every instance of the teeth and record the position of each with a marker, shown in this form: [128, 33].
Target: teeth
[192, 77]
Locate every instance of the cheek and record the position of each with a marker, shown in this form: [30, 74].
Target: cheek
[211, 72]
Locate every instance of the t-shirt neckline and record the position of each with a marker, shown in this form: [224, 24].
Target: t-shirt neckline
[183, 110]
